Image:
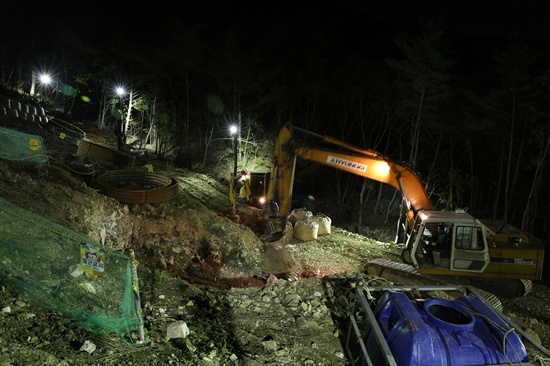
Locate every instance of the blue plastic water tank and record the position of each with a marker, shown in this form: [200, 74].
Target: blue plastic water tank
[442, 332]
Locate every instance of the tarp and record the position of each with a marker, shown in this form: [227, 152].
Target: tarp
[22, 147]
[66, 271]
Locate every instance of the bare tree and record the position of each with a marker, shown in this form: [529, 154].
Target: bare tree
[423, 78]
[512, 108]
[542, 139]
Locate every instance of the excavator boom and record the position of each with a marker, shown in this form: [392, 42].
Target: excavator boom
[365, 163]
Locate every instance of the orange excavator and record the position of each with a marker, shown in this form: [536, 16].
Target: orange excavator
[473, 247]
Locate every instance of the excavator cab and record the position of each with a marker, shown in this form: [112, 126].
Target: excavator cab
[499, 257]
[249, 188]
[463, 248]
[259, 182]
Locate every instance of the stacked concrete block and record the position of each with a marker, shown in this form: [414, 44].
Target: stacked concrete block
[22, 111]
[24, 108]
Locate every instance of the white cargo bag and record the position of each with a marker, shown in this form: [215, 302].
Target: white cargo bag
[300, 214]
[324, 223]
[306, 230]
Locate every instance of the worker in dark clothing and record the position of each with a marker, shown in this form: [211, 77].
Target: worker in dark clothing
[439, 241]
[441, 237]
[309, 203]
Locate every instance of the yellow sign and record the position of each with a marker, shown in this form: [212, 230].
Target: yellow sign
[34, 144]
[92, 260]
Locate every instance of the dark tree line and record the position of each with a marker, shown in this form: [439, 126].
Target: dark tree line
[470, 115]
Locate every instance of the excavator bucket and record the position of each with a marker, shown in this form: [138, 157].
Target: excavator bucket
[277, 258]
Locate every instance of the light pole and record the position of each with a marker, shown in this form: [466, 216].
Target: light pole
[235, 132]
[119, 127]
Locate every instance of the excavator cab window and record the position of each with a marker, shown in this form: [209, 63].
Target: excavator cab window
[465, 238]
[418, 229]
[480, 245]
[438, 234]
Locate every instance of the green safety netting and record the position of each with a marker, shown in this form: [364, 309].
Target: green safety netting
[22, 147]
[67, 272]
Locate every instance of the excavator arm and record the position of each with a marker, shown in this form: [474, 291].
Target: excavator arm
[365, 163]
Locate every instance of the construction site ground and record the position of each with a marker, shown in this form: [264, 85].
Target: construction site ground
[244, 301]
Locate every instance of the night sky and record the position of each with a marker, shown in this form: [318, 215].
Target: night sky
[484, 18]
[348, 21]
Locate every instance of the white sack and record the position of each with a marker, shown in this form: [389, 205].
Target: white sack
[306, 230]
[324, 223]
[300, 214]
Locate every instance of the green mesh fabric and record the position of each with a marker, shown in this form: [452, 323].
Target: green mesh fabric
[42, 262]
[22, 147]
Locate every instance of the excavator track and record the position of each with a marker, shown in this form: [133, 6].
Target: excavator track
[405, 274]
[506, 287]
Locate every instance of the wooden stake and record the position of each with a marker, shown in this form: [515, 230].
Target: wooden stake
[137, 298]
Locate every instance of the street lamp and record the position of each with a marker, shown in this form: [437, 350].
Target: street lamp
[119, 128]
[235, 132]
[45, 79]
[120, 91]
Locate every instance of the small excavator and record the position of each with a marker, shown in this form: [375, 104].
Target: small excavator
[503, 256]
[249, 188]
